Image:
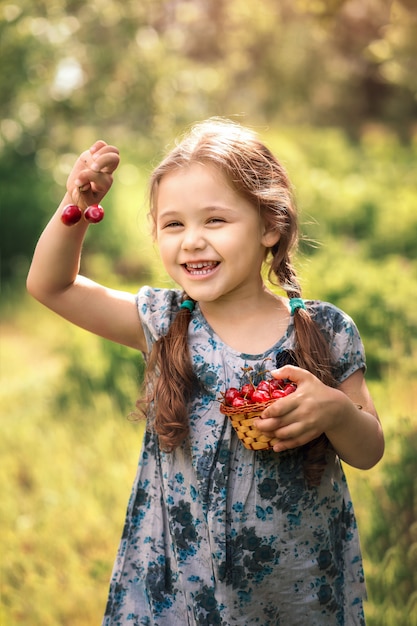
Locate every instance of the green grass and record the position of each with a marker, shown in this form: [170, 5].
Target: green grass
[65, 479]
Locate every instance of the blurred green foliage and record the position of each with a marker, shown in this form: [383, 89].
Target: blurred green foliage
[66, 472]
[139, 72]
[387, 508]
[393, 532]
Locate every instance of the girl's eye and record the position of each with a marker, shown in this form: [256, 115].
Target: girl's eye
[216, 220]
[172, 225]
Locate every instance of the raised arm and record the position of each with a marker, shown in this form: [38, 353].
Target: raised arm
[53, 277]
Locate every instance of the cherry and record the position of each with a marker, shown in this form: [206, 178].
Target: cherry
[247, 391]
[289, 388]
[239, 401]
[231, 394]
[94, 213]
[260, 396]
[264, 385]
[71, 214]
[277, 393]
[277, 383]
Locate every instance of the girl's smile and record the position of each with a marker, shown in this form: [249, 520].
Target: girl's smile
[212, 240]
[203, 268]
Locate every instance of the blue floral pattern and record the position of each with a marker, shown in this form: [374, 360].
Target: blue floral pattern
[216, 534]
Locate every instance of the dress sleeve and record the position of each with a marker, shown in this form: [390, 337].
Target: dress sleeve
[343, 336]
[157, 308]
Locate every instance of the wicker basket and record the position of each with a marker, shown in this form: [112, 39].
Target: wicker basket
[242, 419]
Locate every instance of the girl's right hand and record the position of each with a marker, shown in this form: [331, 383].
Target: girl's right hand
[92, 175]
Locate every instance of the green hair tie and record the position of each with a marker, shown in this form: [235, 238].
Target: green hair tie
[296, 303]
[188, 304]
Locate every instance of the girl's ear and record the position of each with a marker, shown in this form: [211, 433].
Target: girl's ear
[271, 236]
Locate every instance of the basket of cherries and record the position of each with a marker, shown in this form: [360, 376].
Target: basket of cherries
[245, 404]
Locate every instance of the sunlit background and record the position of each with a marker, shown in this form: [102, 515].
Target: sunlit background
[331, 86]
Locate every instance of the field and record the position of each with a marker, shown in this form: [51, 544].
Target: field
[66, 472]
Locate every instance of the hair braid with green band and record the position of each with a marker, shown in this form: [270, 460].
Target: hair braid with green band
[296, 303]
[188, 304]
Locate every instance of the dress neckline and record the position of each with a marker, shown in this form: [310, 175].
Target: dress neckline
[198, 314]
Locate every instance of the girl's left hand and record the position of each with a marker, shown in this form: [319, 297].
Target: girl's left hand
[304, 414]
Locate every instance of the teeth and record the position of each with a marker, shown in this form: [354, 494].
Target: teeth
[201, 268]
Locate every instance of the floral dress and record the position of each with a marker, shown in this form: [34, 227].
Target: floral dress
[216, 534]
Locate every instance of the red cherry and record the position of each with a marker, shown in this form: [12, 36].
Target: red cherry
[231, 394]
[239, 401]
[71, 214]
[277, 383]
[260, 396]
[277, 393]
[289, 388]
[264, 386]
[94, 213]
[247, 391]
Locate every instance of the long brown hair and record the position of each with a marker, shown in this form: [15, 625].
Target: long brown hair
[255, 173]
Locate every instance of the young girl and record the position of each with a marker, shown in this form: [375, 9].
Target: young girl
[216, 533]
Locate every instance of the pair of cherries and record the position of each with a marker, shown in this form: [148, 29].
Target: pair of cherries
[71, 214]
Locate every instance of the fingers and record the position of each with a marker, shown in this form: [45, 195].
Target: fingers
[101, 157]
[84, 187]
[105, 159]
[300, 417]
[277, 427]
[89, 187]
[92, 175]
[281, 407]
[289, 422]
[98, 145]
[97, 182]
[291, 372]
[287, 436]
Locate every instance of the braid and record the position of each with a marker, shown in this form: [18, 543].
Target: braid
[285, 273]
[171, 382]
[311, 353]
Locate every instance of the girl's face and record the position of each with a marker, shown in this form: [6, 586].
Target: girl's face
[211, 239]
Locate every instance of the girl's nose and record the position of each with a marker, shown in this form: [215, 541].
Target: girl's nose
[193, 239]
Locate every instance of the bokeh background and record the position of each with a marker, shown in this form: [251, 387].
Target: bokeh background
[331, 86]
